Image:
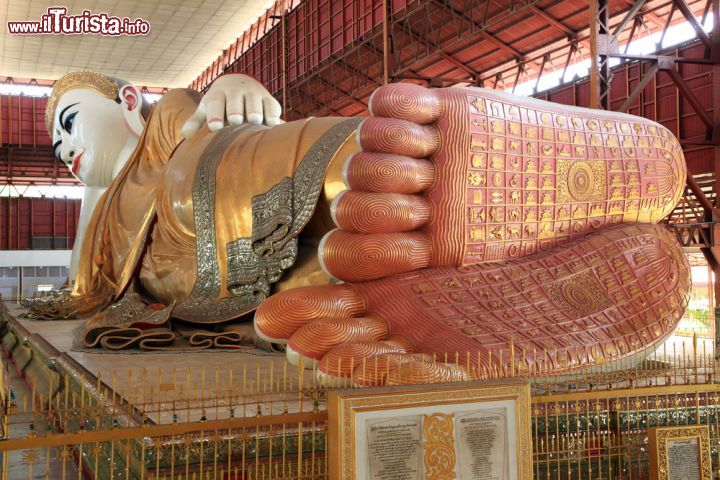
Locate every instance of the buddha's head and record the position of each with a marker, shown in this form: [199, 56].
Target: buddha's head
[93, 119]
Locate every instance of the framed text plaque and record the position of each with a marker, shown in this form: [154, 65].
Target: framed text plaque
[680, 453]
[464, 431]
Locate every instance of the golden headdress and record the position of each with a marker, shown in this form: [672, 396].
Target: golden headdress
[81, 79]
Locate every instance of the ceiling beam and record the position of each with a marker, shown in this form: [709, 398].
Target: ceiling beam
[553, 21]
[341, 92]
[481, 29]
[432, 46]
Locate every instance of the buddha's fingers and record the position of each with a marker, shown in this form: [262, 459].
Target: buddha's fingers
[215, 110]
[408, 369]
[281, 315]
[394, 136]
[406, 101]
[357, 257]
[311, 342]
[379, 212]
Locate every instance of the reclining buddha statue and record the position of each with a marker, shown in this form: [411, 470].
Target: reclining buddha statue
[451, 221]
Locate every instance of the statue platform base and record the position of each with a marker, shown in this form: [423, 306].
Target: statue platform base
[81, 392]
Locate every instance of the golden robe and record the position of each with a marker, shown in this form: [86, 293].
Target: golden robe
[203, 230]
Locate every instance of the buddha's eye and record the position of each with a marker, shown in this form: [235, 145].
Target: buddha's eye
[69, 122]
[56, 150]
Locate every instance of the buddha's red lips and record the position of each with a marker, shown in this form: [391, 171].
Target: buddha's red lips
[76, 163]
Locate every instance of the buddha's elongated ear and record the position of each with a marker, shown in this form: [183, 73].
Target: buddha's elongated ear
[131, 102]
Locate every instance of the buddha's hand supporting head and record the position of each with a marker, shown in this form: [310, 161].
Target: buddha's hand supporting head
[94, 122]
[232, 100]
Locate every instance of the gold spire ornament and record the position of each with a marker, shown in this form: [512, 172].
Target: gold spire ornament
[80, 79]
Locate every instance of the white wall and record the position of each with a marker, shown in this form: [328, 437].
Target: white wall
[35, 258]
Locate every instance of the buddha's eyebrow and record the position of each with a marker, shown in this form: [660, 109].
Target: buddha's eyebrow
[62, 113]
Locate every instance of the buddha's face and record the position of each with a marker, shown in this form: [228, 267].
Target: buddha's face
[89, 134]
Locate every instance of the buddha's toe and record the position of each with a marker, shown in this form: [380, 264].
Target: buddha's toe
[311, 342]
[395, 136]
[406, 101]
[281, 315]
[356, 257]
[408, 369]
[387, 173]
[365, 212]
[380, 218]
[341, 361]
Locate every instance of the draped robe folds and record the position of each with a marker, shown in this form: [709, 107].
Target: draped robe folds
[203, 230]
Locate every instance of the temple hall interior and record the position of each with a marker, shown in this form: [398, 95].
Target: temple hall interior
[360, 239]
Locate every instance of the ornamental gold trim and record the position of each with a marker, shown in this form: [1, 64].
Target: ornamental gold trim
[658, 439]
[254, 263]
[344, 405]
[439, 440]
[279, 215]
[200, 304]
